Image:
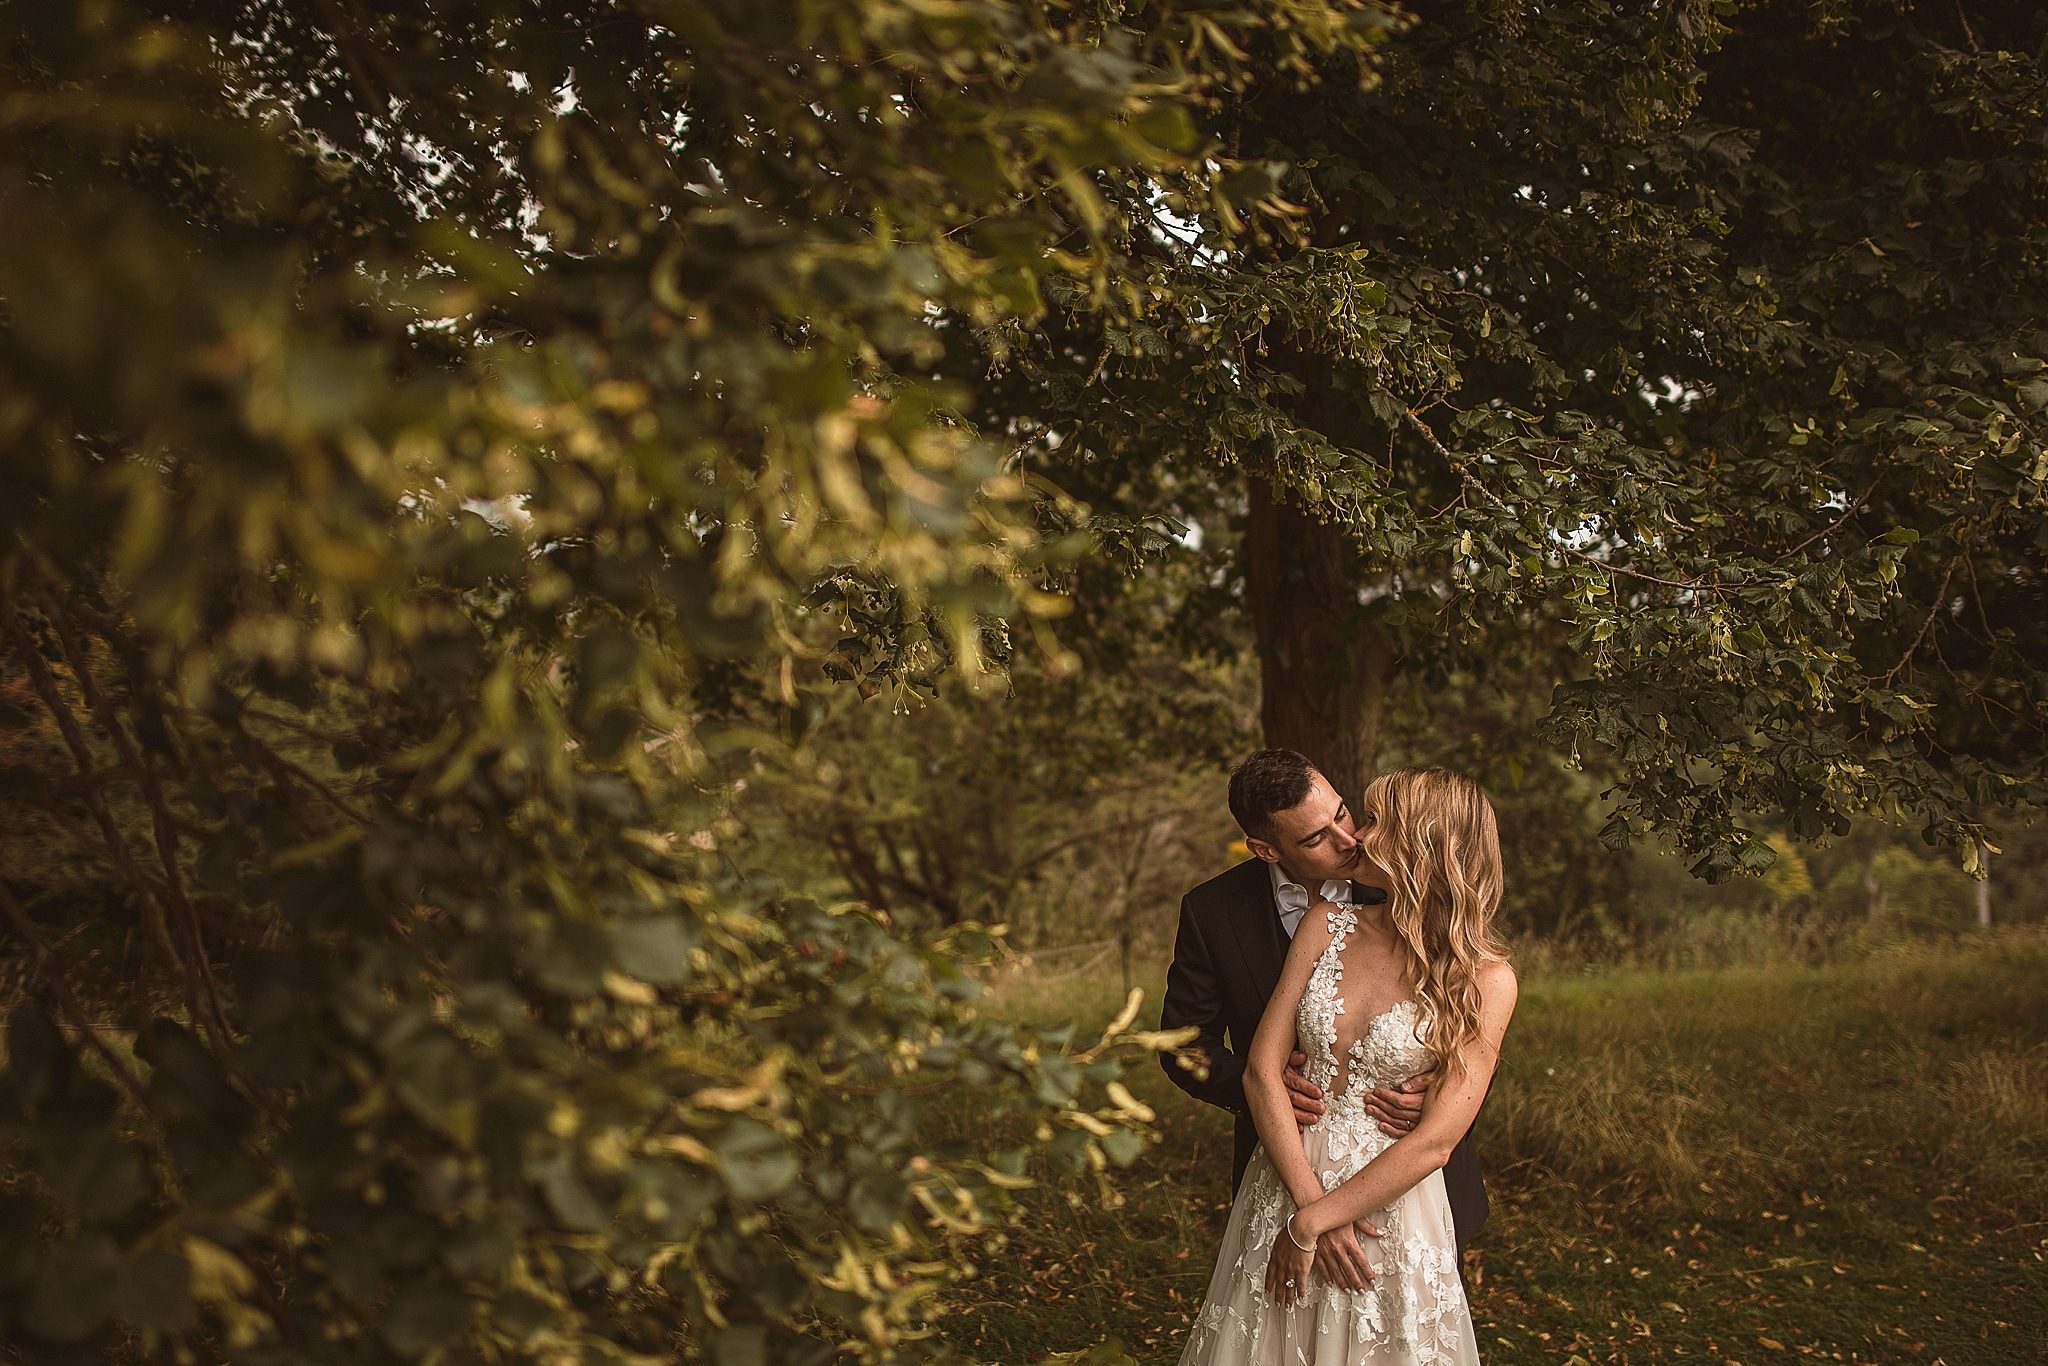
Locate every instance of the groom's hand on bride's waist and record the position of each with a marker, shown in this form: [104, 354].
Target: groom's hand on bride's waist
[1397, 1108]
[1304, 1095]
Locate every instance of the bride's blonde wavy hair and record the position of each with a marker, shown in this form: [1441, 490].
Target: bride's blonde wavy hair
[1433, 832]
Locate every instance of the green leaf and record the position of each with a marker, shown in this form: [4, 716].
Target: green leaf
[521, 1316]
[877, 1200]
[38, 1059]
[1756, 855]
[570, 958]
[1169, 126]
[481, 1251]
[1253, 181]
[186, 1080]
[654, 949]
[608, 659]
[1058, 1081]
[97, 1173]
[743, 1344]
[154, 1293]
[72, 1297]
[755, 1162]
[1122, 1146]
[569, 1196]
[421, 1317]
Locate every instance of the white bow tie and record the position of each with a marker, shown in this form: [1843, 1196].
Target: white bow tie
[1294, 898]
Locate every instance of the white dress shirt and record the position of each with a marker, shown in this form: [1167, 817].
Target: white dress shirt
[1293, 898]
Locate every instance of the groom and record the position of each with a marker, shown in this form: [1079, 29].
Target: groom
[1233, 935]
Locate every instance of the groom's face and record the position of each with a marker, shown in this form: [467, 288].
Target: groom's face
[1315, 841]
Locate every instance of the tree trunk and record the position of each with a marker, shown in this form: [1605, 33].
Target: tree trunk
[1984, 886]
[1324, 670]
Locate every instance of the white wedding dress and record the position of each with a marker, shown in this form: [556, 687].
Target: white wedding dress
[1415, 1310]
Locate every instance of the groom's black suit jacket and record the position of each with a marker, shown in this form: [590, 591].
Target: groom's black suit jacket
[1226, 963]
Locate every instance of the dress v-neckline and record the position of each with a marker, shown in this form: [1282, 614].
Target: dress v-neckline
[1375, 1019]
[1333, 953]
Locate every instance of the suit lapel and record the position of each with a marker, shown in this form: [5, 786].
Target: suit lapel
[1260, 938]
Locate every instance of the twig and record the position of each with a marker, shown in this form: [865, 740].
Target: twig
[1100, 361]
[143, 766]
[1029, 442]
[1926, 625]
[1977, 600]
[68, 1004]
[1093, 375]
[1855, 506]
[277, 763]
[343, 26]
[1148, 819]
[1457, 464]
[154, 898]
[1968, 33]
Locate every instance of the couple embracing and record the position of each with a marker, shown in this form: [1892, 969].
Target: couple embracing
[1353, 966]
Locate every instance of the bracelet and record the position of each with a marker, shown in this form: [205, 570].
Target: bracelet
[1289, 1226]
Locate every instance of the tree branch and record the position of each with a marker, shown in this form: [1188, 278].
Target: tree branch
[142, 765]
[1926, 625]
[1855, 506]
[1457, 464]
[154, 899]
[67, 1004]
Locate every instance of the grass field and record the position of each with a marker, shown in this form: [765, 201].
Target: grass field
[1843, 1163]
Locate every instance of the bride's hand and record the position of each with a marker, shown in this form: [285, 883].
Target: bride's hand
[1287, 1269]
[1341, 1261]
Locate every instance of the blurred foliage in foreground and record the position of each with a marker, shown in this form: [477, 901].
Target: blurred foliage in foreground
[416, 426]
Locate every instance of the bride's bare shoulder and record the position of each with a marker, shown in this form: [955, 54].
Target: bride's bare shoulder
[1497, 983]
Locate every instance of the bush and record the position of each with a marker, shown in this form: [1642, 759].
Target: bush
[421, 427]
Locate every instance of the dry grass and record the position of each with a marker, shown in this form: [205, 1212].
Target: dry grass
[1846, 1160]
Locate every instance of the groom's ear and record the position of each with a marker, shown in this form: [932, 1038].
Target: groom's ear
[1261, 850]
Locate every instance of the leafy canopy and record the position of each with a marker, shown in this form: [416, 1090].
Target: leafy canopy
[1691, 353]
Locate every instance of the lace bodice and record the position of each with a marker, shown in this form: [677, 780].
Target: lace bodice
[1348, 1055]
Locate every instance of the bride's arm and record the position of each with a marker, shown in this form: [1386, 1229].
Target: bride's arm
[1427, 1146]
[1265, 1085]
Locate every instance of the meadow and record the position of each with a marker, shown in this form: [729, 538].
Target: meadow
[1844, 1161]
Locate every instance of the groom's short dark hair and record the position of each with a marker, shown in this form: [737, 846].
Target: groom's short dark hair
[1267, 781]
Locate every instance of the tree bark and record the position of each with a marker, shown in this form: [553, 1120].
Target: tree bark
[1324, 670]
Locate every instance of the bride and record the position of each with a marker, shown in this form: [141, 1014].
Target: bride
[1375, 994]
